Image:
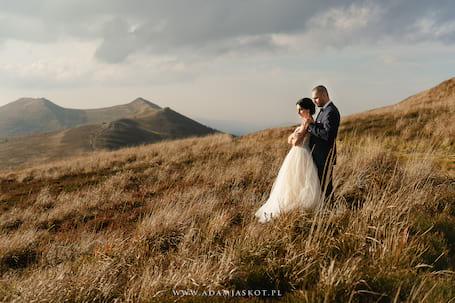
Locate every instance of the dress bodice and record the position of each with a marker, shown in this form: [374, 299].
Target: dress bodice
[306, 139]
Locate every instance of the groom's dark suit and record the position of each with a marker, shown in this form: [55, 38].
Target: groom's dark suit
[322, 143]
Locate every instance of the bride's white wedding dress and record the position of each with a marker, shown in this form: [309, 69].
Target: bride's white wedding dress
[297, 184]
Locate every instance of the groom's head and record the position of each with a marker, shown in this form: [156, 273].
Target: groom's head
[320, 95]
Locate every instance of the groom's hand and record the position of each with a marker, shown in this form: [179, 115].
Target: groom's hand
[307, 123]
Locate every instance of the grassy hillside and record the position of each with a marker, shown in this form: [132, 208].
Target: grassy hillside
[137, 224]
[417, 124]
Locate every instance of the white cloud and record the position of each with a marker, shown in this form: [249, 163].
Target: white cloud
[429, 28]
[71, 63]
[45, 64]
[214, 28]
[348, 19]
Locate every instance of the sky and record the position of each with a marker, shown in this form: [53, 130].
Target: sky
[237, 65]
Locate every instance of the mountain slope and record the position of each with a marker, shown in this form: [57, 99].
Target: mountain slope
[136, 108]
[149, 127]
[423, 119]
[162, 124]
[29, 115]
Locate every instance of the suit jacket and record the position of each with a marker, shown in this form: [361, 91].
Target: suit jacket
[323, 134]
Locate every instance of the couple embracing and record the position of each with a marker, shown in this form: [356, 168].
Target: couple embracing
[305, 177]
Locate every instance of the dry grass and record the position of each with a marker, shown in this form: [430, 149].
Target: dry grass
[134, 224]
[420, 123]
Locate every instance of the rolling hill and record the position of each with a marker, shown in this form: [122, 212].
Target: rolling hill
[150, 124]
[33, 115]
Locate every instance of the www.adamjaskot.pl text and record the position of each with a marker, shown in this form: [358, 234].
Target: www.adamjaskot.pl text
[228, 293]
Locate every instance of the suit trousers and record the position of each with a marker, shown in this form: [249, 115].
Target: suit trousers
[325, 174]
[325, 177]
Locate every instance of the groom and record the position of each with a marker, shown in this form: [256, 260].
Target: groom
[323, 134]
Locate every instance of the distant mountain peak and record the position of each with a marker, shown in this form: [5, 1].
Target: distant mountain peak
[25, 102]
[32, 100]
[143, 102]
[32, 115]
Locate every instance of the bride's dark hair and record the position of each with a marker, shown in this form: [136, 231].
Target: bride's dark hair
[307, 103]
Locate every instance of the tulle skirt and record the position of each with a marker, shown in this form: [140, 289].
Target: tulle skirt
[296, 186]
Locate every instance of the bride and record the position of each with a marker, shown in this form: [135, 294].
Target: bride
[297, 183]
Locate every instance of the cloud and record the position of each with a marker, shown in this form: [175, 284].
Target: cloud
[119, 40]
[346, 19]
[71, 64]
[429, 27]
[212, 28]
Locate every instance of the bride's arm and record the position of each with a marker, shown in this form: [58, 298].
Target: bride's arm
[299, 138]
[292, 137]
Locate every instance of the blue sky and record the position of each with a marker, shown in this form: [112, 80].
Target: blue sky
[238, 63]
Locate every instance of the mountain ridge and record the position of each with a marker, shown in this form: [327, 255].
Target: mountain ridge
[34, 115]
[147, 126]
